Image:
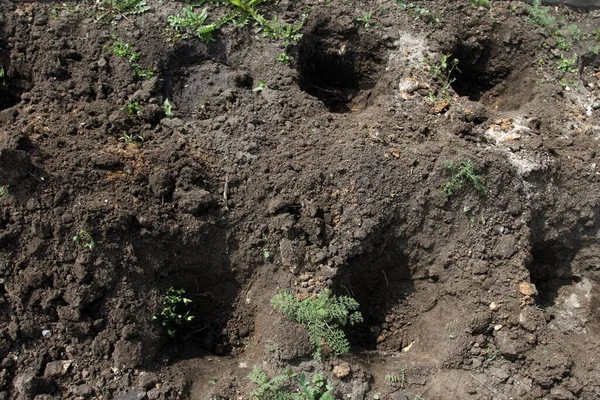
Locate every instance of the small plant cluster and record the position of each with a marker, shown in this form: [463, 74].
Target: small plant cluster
[366, 20]
[84, 239]
[290, 386]
[126, 52]
[2, 77]
[443, 72]
[420, 13]
[324, 316]
[241, 12]
[110, 10]
[482, 3]
[173, 313]
[463, 173]
[561, 37]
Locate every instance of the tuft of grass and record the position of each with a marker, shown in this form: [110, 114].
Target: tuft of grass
[463, 173]
[324, 316]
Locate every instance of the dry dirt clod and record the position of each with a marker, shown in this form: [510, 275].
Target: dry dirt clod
[341, 370]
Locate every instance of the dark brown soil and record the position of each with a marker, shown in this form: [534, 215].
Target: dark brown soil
[330, 177]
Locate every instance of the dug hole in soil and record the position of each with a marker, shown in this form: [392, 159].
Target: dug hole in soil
[330, 175]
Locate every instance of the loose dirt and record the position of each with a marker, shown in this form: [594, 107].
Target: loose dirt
[331, 176]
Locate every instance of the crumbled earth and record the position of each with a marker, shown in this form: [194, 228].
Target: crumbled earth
[330, 177]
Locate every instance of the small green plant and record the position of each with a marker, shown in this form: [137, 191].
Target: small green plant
[482, 3]
[443, 72]
[324, 316]
[573, 31]
[84, 239]
[2, 77]
[126, 52]
[366, 20]
[262, 85]
[168, 108]
[567, 64]
[174, 311]
[110, 10]
[562, 44]
[290, 386]
[133, 108]
[4, 191]
[193, 24]
[462, 173]
[274, 29]
[284, 58]
[540, 17]
[132, 139]
[420, 13]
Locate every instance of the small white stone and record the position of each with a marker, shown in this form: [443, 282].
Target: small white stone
[497, 327]
[493, 306]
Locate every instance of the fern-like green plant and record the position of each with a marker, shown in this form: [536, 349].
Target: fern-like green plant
[540, 17]
[324, 316]
[462, 173]
[289, 386]
[111, 9]
[191, 23]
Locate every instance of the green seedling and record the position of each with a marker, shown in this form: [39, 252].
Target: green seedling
[443, 72]
[274, 29]
[4, 191]
[131, 139]
[366, 20]
[126, 52]
[567, 64]
[539, 16]
[420, 13]
[133, 108]
[284, 58]
[2, 77]
[111, 10]
[324, 317]
[290, 386]
[84, 239]
[174, 311]
[168, 108]
[482, 3]
[462, 173]
[262, 85]
[193, 24]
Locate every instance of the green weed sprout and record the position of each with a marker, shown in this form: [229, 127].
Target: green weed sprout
[172, 312]
[290, 386]
[462, 173]
[324, 316]
[84, 239]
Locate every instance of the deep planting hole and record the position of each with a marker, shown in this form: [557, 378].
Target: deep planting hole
[481, 66]
[338, 65]
[379, 280]
[550, 270]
